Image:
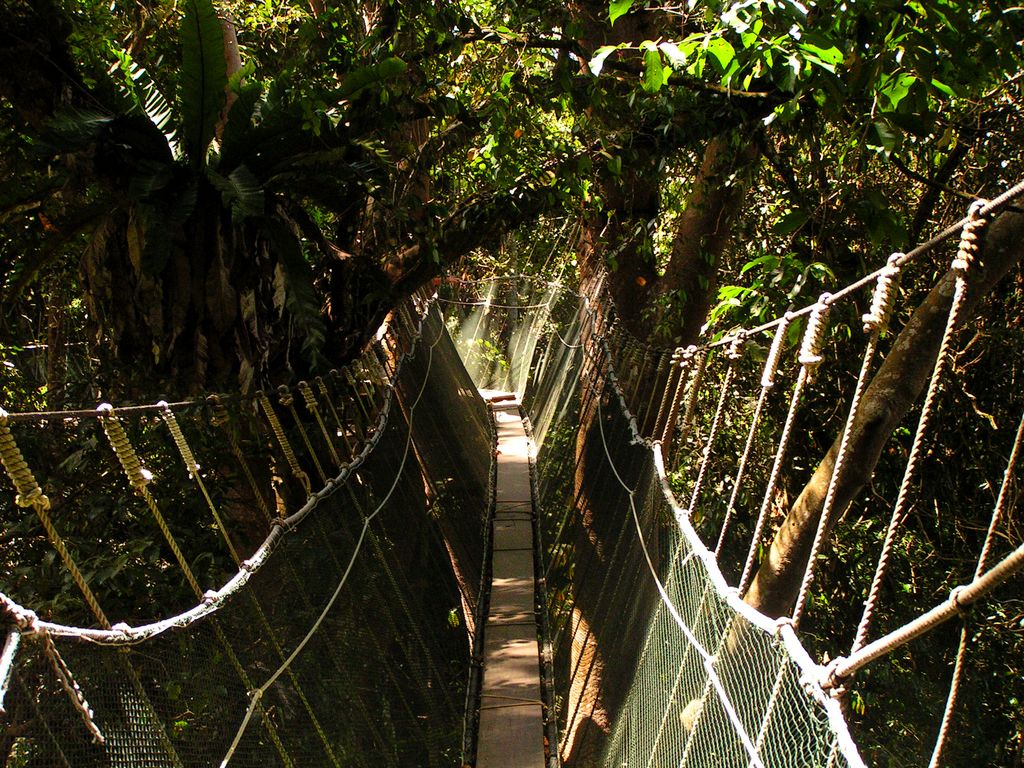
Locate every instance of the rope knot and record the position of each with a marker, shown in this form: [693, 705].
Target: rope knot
[284, 396]
[955, 596]
[970, 238]
[219, 413]
[814, 336]
[883, 297]
[831, 680]
[735, 350]
[138, 476]
[775, 352]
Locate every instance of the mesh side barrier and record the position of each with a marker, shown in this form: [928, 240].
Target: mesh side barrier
[362, 587]
[662, 668]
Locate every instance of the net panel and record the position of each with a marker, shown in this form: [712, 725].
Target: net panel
[344, 640]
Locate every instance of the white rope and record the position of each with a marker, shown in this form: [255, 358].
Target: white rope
[257, 694]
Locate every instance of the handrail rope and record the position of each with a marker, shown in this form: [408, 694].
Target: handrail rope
[767, 384]
[875, 321]
[961, 264]
[26, 622]
[734, 353]
[959, 598]
[809, 358]
[256, 694]
[998, 514]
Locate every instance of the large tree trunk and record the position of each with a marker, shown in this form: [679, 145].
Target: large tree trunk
[891, 393]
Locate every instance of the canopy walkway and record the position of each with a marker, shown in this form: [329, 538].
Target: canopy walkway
[441, 586]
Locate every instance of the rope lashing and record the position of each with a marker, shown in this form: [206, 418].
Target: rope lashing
[884, 296]
[970, 238]
[282, 440]
[29, 494]
[26, 623]
[771, 364]
[814, 336]
[285, 398]
[139, 478]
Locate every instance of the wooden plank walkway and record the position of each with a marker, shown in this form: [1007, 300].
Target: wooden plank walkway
[511, 731]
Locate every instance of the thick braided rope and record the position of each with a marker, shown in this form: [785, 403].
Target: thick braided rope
[673, 361]
[189, 459]
[29, 494]
[139, 478]
[998, 514]
[282, 440]
[311, 406]
[693, 394]
[685, 367]
[810, 358]
[875, 323]
[285, 398]
[961, 264]
[767, 383]
[734, 353]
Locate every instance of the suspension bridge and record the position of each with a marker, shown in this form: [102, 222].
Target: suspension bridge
[538, 578]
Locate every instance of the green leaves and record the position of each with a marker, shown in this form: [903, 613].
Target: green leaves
[360, 79]
[618, 8]
[201, 93]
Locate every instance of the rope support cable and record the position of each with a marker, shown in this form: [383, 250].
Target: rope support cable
[998, 514]
[282, 440]
[875, 323]
[767, 383]
[311, 405]
[285, 398]
[961, 264]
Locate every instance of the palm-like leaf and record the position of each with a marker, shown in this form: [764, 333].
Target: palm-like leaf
[201, 93]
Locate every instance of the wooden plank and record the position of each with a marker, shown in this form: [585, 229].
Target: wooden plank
[511, 730]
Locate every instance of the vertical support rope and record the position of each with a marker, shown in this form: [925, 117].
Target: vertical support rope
[285, 398]
[733, 355]
[282, 440]
[810, 358]
[29, 494]
[767, 383]
[875, 323]
[311, 406]
[961, 264]
[220, 418]
[139, 478]
[998, 514]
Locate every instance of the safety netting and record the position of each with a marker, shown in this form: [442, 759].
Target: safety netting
[343, 639]
[656, 661]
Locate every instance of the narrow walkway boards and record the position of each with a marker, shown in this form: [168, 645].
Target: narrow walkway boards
[511, 714]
